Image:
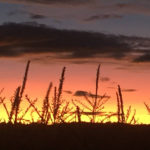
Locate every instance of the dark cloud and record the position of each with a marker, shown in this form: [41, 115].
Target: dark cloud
[88, 94]
[123, 90]
[68, 92]
[32, 38]
[129, 90]
[81, 93]
[104, 16]
[143, 58]
[105, 79]
[36, 16]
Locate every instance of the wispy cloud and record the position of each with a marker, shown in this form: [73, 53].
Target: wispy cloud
[105, 79]
[81, 93]
[103, 16]
[123, 90]
[68, 92]
[129, 90]
[37, 16]
[74, 2]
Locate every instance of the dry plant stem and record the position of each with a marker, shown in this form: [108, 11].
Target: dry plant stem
[96, 104]
[18, 96]
[133, 117]
[128, 114]
[96, 92]
[147, 107]
[17, 105]
[4, 105]
[97, 81]
[54, 104]
[22, 90]
[108, 116]
[65, 110]
[36, 110]
[24, 79]
[118, 108]
[45, 109]
[57, 100]
[14, 104]
[61, 84]
[48, 118]
[78, 114]
[31, 114]
[121, 104]
[72, 119]
[67, 114]
[28, 108]
[82, 104]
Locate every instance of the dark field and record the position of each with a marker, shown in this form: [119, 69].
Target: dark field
[74, 136]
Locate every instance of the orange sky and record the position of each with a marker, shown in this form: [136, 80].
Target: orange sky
[79, 77]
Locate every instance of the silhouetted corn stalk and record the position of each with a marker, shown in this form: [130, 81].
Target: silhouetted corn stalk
[54, 104]
[121, 106]
[57, 97]
[24, 79]
[18, 96]
[14, 105]
[118, 108]
[96, 92]
[97, 83]
[78, 114]
[94, 103]
[45, 109]
[122, 118]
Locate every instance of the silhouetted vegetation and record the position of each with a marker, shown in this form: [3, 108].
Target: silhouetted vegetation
[59, 124]
[56, 110]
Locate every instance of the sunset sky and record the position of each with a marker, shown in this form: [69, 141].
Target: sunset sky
[78, 34]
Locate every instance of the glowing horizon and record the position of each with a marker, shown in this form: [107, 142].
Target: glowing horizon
[36, 88]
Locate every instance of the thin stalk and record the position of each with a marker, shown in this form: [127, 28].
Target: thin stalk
[121, 105]
[46, 104]
[96, 92]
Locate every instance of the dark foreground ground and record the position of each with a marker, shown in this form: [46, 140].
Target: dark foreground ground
[74, 137]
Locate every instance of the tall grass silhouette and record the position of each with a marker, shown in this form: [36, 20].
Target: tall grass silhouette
[55, 109]
[18, 96]
[94, 104]
[121, 116]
